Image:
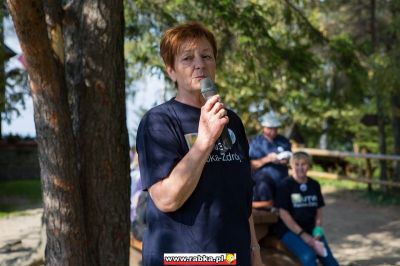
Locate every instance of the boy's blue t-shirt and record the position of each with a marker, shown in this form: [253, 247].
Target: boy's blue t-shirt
[214, 219]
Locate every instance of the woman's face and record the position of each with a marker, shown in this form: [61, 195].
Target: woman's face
[300, 168]
[193, 62]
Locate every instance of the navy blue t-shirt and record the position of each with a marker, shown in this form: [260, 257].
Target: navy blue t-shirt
[268, 176]
[301, 201]
[214, 219]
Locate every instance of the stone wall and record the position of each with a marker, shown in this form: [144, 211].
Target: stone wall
[19, 160]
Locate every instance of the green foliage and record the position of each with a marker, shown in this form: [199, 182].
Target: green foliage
[13, 81]
[271, 55]
[16, 90]
[314, 62]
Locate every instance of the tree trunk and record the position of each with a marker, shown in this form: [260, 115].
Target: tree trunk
[379, 105]
[95, 74]
[395, 94]
[77, 85]
[2, 72]
[395, 103]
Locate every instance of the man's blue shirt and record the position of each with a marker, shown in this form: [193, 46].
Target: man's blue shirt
[269, 175]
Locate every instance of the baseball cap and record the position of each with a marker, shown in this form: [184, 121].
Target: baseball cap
[270, 120]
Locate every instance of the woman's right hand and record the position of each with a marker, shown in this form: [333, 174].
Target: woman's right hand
[213, 118]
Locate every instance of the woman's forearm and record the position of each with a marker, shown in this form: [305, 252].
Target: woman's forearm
[170, 193]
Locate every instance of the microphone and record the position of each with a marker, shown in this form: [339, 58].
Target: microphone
[208, 89]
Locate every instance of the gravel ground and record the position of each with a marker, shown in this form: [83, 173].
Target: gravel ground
[360, 234]
[20, 238]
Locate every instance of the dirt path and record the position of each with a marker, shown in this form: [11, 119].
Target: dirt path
[360, 234]
[20, 238]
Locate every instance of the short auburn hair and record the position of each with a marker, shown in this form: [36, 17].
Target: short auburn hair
[174, 37]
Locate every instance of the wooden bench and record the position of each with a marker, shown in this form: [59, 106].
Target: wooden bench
[262, 220]
[136, 244]
[273, 252]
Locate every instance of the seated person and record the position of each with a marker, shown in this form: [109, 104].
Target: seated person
[269, 154]
[138, 200]
[300, 201]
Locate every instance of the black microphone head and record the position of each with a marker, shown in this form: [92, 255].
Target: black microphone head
[207, 87]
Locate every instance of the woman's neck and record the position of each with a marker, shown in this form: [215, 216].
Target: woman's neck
[192, 99]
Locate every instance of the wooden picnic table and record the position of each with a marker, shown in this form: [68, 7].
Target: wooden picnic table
[262, 220]
[273, 252]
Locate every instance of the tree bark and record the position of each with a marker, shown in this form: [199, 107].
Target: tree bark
[62, 198]
[2, 72]
[76, 69]
[395, 94]
[379, 105]
[395, 103]
[97, 81]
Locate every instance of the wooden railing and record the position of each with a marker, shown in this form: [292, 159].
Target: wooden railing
[338, 154]
[341, 154]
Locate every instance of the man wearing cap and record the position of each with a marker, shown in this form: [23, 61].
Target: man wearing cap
[269, 154]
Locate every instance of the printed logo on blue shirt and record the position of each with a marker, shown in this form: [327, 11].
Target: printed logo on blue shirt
[216, 155]
[300, 201]
[191, 138]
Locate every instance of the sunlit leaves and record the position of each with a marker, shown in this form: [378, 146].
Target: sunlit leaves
[272, 54]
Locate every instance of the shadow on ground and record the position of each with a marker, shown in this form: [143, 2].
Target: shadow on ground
[361, 233]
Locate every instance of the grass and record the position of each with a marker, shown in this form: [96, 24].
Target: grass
[376, 196]
[342, 184]
[15, 196]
